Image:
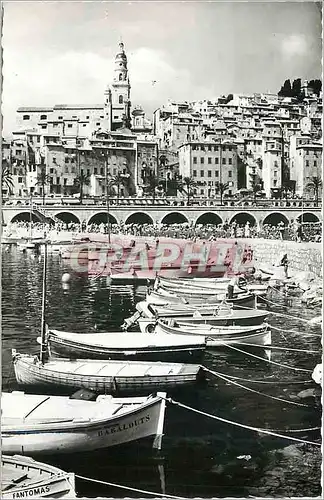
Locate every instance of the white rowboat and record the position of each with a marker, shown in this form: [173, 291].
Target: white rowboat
[216, 337]
[35, 424]
[23, 477]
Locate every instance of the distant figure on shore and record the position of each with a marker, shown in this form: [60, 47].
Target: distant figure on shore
[281, 228]
[284, 262]
[247, 231]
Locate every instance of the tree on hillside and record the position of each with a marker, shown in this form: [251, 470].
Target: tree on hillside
[316, 85]
[285, 90]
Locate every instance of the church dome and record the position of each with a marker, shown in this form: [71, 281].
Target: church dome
[138, 111]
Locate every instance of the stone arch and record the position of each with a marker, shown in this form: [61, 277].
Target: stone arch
[139, 218]
[308, 217]
[67, 217]
[274, 218]
[174, 218]
[242, 218]
[101, 218]
[209, 218]
[25, 217]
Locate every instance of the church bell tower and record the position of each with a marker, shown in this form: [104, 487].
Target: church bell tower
[119, 97]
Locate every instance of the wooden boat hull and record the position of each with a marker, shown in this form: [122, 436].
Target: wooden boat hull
[73, 426]
[124, 378]
[245, 300]
[219, 317]
[205, 286]
[23, 477]
[256, 337]
[73, 348]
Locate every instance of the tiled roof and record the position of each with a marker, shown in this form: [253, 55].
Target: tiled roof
[33, 108]
[78, 106]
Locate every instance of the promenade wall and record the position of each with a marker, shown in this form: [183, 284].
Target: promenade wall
[302, 256]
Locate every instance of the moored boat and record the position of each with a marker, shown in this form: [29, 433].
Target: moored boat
[217, 337]
[124, 345]
[23, 477]
[243, 299]
[35, 424]
[220, 315]
[104, 377]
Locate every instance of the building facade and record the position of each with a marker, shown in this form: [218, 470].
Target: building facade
[209, 164]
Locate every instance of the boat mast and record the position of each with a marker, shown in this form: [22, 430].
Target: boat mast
[30, 218]
[43, 349]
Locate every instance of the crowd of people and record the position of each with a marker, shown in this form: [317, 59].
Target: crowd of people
[293, 231]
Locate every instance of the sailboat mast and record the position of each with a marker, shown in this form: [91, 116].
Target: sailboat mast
[30, 220]
[43, 350]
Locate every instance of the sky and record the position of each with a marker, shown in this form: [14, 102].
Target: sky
[63, 52]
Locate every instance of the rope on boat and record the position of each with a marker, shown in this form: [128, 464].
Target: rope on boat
[238, 424]
[294, 331]
[267, 360]
[163, 495]
[216, 374]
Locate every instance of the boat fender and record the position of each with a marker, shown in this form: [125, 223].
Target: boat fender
[85, 395]
[150, 328]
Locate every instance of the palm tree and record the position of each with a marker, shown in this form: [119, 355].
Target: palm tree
[42, 180]
[6, 178]
[221, 187]
[119, 181]
[317, 183]
[187, 184]
[256, 185]
[80, 182]
[152, 183]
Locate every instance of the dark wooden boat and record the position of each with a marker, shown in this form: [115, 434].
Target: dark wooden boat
[124, 345]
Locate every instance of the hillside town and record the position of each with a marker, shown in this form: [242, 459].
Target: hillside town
[266, 144]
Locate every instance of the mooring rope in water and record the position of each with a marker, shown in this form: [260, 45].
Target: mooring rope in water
[279, 348]
[310, 429]
[272, 312]
[277, 382]
[216, 374]
[267, 360]
[238, 424]
[163, 495]
[281, 314]
[294, 331]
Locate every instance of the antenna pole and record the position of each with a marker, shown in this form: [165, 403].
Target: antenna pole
[43, 350]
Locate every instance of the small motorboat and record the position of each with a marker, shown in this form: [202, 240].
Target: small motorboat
[35, 424]
[222, 314]
[23, 477]
[104, 377]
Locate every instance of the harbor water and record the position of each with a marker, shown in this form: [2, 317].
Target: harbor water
[200, 456]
